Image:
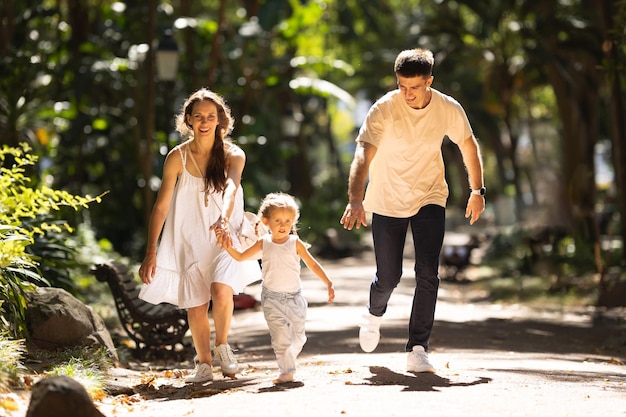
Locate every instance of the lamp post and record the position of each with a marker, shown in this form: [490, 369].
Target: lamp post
[167, 57]
[167, 54]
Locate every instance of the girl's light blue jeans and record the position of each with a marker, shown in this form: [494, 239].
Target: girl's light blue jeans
[285, 314]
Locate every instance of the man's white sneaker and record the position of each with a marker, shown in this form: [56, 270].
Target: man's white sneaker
[369, 333]
[417, 361]
[202, 373]
[228, 363]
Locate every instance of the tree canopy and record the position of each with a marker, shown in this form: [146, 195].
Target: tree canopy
[542, 83]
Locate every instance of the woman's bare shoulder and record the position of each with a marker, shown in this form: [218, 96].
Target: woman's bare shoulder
[234, 151]
[174, 158]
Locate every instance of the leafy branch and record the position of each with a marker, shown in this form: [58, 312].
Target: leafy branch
[22, 210]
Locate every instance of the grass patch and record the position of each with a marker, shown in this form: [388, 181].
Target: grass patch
[87, 365]
[539, 290]
[517, 289]
[11, 369]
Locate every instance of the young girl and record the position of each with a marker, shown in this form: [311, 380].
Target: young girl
[200, 190]
[283, 305]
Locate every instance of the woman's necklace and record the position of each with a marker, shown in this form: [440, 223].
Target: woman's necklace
[206, 186]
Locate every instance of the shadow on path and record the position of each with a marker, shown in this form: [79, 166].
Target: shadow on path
[282, 387]
[177, 392]
[419, 382]
[489, 335]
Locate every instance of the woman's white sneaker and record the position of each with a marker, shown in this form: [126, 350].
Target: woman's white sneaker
[417, 360]
[228, 363]
[202, 373]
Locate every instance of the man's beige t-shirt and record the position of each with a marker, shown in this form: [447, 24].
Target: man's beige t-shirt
[407, 172]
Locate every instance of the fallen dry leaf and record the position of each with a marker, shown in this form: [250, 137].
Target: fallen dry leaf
[205, 393]
[99, 395]
[9, 404]
[149, 379]
[128, 399]
[28, 380]
[344, 371]
[248, 371]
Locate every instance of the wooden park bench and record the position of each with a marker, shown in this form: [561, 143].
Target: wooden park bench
[150, 326]
[455, 256]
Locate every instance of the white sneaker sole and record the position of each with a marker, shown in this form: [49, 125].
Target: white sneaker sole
[421, 369]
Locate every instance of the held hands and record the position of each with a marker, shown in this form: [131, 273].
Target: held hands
[354, 215]
[475, 207]
[222, 233]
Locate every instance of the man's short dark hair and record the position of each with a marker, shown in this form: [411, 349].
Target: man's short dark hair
[414, 62]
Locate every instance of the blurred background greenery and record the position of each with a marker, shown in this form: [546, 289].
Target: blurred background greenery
[93, 87]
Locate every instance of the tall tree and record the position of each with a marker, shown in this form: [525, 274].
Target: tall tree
[569, 50]
[613, 21]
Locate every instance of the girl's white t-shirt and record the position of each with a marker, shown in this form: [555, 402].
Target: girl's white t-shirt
[408, 172]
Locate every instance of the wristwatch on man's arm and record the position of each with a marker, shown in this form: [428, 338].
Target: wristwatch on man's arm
[480, 191]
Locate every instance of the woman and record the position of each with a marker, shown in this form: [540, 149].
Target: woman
[200, 190]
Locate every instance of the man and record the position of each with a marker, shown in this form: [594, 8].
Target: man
[399, 146]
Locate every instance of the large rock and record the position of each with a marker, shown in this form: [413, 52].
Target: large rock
[60, 396]
[57, 319]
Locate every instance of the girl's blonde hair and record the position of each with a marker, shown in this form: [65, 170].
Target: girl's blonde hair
[280, 200]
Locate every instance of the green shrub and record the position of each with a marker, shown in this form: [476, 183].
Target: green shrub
[24, 218]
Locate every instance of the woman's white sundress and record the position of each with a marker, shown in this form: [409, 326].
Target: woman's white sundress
[188, 256]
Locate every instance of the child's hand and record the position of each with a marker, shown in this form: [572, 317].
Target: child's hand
[222, 234]
[331, 293]
[223, 238]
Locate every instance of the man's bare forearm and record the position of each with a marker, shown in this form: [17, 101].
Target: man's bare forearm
[359, 172]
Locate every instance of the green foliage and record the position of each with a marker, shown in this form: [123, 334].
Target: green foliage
[54, 257]
[548, 256]
[76, 86]
[23, 211]
[11, 352]
[537, 266]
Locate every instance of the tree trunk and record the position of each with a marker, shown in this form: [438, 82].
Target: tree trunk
[615, 72]
[146, 153]
[577, 105]
[191, 52]
[571, 67]
[7, 25]
[216, 44]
